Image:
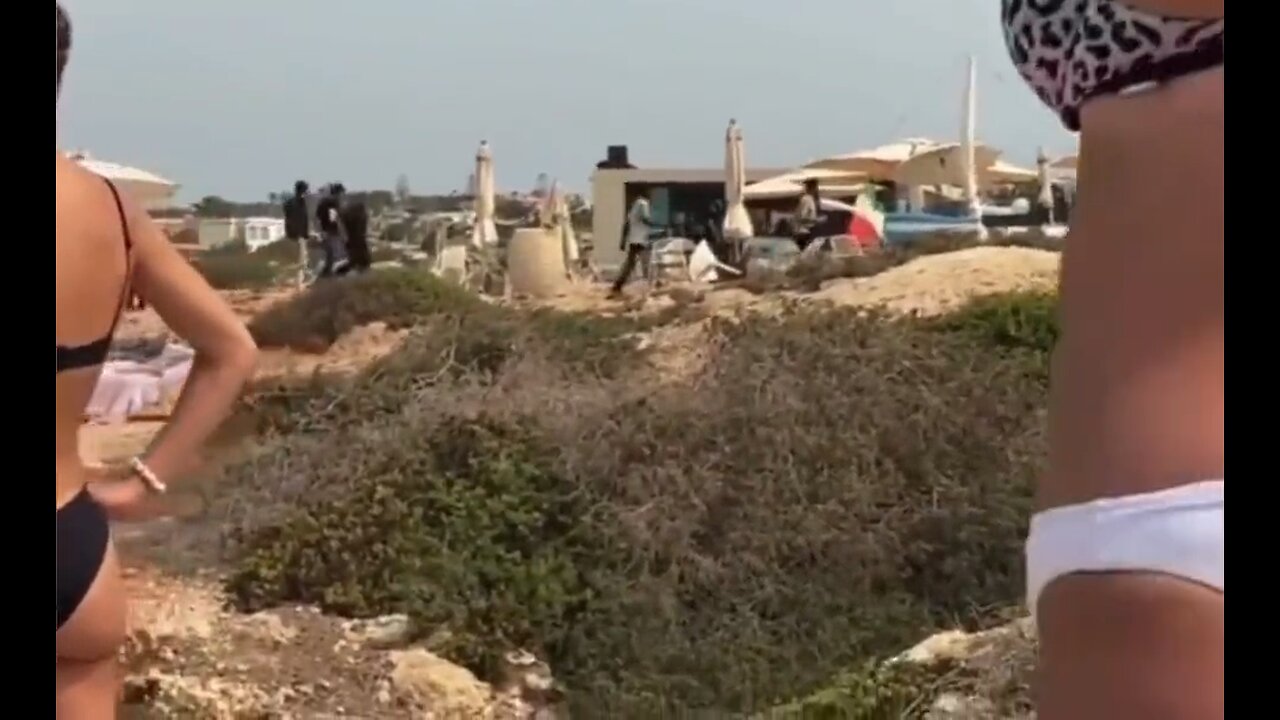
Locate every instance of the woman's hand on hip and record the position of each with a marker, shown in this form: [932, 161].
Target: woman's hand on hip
[123, 495]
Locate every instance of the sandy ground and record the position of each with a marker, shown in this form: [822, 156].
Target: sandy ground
[190, 657]
[937, 283]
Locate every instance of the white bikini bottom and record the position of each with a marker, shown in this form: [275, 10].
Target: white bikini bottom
[1180, 531]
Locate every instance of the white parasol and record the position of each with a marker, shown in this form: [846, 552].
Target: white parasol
[737, 223]
[484, 232]
[1045, 197]
[968, 143]
[557, 209]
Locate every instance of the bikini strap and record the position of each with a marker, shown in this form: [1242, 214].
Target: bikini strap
[128, 255]
[124, 220]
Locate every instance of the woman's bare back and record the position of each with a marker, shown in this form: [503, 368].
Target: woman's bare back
[91, 276]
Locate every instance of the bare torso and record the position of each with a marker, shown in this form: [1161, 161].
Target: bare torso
[91, 270]
[1138, 398]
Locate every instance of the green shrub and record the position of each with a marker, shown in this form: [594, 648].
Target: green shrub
[283, 251]
[873, 691]
[316, 318]
[1025, 320]
[477, 343]
[466, 530]
[992, 675]
[231, 247]
[832, 486]
[228, 270]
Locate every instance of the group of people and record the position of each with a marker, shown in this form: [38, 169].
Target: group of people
[1126, 552]
[342, 223]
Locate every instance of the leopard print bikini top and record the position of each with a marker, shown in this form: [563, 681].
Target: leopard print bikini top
[1073, 50]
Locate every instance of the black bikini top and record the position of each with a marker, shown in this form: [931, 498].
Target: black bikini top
[74, 357]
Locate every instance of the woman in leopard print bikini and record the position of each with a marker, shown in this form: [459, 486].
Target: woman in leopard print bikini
[1125, 560]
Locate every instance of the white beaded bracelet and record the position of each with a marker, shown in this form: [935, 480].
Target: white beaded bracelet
[148, 478]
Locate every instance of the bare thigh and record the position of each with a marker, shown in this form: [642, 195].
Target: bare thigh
[1131, 647]
[87, 647]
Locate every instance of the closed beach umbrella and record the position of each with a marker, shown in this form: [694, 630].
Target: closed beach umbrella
[968, 142]
[1046, 185]
[737, 222]
[1045, 198]
[484, 233]
[561, 218]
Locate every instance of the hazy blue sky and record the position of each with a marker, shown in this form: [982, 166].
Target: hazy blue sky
[240, 97]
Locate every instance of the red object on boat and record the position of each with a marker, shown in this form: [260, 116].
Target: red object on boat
[863, 231]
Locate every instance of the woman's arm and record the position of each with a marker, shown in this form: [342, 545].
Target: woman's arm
[224, 351]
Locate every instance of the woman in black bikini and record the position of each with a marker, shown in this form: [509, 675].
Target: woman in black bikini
[107, 248]
[1126, 558]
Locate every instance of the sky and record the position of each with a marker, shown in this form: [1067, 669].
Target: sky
[239, 98]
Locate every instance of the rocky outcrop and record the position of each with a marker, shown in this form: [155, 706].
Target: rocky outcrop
[952, 675]
[990, 671]
[190, 657]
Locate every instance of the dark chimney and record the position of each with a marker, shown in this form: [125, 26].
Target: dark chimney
[615, 158]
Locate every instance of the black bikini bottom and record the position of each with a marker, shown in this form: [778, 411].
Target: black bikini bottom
[81, 546]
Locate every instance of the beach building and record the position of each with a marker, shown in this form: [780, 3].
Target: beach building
[262, 231]
[615, 184]
[216, 232]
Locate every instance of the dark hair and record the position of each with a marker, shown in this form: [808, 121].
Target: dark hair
[63, 44]
[301, 187]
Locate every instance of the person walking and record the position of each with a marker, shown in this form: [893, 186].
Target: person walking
[297, 225]
[636, 235]
[355, 224]
[332, 237]
[807, 217]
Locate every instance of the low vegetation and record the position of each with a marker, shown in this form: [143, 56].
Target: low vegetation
[233, 267]
[313, 320]
[455, 335]
[829, 487]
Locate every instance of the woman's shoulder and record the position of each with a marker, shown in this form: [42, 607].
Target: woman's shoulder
[73, 184]
[86, 214]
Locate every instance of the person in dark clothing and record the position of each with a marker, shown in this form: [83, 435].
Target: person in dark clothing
[355, 222]
[297, 224]
[328, 219]
[715, 230]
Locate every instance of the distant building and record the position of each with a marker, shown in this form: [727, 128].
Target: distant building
[261, 231]
[172, 225]
[216, 232]
[671, 190]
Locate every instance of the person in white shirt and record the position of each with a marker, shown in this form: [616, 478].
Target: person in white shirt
[635, 239]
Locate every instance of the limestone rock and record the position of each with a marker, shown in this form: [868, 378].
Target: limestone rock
[386, 631]
[437, 685]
